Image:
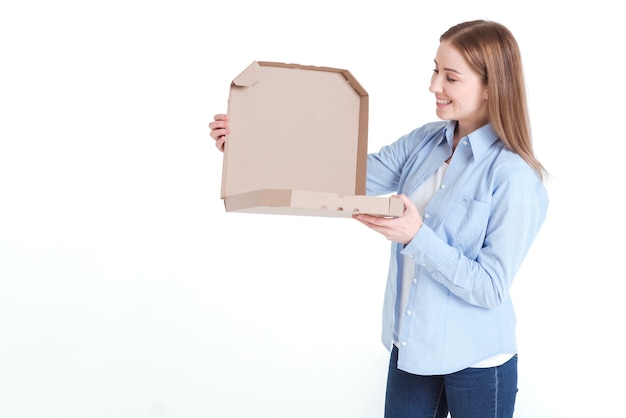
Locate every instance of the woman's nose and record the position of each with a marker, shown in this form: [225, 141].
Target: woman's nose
[435, 87]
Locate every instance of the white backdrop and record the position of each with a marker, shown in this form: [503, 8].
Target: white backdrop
[127, 291]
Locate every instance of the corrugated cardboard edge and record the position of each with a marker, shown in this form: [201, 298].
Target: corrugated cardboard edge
[299, 202]
[249, 77]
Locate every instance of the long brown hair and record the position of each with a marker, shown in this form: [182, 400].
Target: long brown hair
[492, 51]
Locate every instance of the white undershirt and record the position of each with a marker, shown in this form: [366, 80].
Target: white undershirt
[421, 197]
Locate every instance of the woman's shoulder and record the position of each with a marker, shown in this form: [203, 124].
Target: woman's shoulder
[426, 132]
[417, 139]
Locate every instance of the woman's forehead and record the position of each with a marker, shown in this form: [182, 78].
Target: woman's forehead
[450, 58]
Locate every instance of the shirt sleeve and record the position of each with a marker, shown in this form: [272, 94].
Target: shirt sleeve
[385, 167]
[383, 171]
[518, 208]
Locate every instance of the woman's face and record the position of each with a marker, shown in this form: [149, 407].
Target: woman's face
[459, 90]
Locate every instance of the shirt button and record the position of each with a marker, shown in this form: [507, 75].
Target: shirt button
[464, 142]
[414, 280]
[443, 186]
[403, 343]
[408, 312]
[426, 216]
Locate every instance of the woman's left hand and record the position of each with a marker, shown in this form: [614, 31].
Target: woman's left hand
[401, 229]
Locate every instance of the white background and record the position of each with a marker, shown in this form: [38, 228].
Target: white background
[127, 291]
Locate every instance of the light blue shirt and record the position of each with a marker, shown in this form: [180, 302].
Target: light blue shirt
[477, 230]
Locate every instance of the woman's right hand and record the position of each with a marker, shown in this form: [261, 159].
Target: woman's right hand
[219, 129]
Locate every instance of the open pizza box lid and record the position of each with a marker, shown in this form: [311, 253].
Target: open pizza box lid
[298, 144]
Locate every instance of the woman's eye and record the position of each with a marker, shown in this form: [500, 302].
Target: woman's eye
[452, 80]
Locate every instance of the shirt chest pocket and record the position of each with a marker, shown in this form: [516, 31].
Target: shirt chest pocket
[466, 223]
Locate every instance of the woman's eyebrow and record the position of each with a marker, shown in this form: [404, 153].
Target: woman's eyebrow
[450, 69]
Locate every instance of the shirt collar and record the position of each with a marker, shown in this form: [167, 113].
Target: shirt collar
[479, 140]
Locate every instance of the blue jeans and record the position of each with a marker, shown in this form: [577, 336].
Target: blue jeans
[469, 393]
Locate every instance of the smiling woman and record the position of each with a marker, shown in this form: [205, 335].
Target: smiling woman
[469, 183]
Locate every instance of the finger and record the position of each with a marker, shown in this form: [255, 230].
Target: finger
[219, 121]
[220, 118]
[408, 203]
[219, 144]
[219, 133]
[219, 124]
[371, 220]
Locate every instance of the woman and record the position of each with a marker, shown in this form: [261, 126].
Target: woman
[474, 201]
